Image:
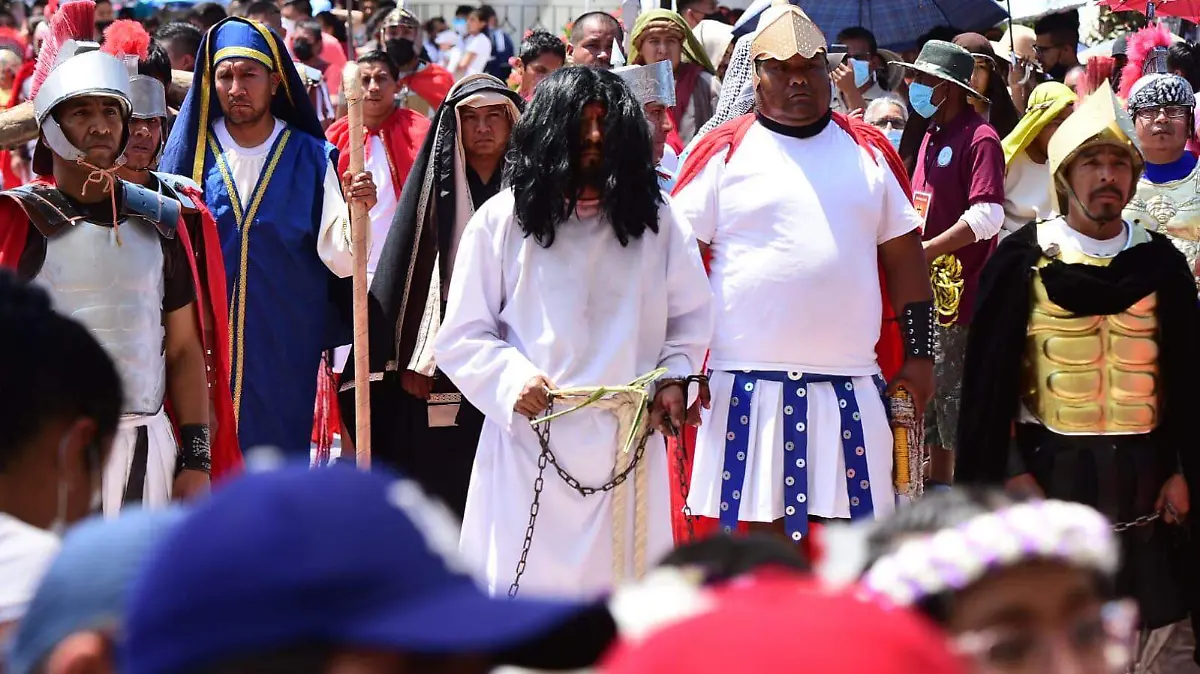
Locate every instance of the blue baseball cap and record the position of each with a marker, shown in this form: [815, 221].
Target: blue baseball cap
[86, 586]
[336, 557]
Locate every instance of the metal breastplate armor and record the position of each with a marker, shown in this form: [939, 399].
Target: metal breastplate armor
[1090, 375]
[409, 99]
[116, 291]
[1172, 209]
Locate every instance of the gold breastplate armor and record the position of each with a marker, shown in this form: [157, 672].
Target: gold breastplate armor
[1091, 375]
[1172, 209]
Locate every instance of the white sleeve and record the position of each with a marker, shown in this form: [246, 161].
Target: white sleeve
[333, 238]
[689, 298]
[482, 46]
[984, 219]
[469, 349]
[899, 215]
[697, 202]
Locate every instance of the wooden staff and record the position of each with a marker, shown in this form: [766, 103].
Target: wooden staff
[360, 224]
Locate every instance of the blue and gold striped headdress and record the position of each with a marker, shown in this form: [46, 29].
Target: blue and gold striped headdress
[234, 37]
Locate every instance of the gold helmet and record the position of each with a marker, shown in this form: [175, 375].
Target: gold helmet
[1098, 120]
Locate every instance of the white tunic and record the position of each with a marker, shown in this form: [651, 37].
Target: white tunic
[1027, 193]
[247, 164]
[586, 311]
[796, 284]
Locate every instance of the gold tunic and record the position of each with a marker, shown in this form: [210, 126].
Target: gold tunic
[1172, 209]
[1090, 375]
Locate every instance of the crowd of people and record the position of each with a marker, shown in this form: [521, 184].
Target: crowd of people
[698, 341]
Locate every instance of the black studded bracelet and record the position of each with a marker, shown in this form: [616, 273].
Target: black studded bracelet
[916, 325]
[195, 452]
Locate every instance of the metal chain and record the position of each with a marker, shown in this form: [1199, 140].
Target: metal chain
[1139, 522]
[681, 452]
[547, 457]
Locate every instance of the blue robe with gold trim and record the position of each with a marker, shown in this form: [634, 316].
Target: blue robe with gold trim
[281, 309]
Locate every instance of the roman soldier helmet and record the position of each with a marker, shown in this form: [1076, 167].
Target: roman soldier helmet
[1099, 120]
[129, 41]
[71, 66]
[653, 83]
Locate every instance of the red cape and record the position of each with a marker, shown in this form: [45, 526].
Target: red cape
[402, 134]
[226, 456]
[9, 178]
[432, 83]
[889, 350]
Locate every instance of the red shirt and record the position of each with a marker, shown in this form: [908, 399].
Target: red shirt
[960, 164]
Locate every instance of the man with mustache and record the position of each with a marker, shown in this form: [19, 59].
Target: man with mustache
[802, 267]
[421, 425]
[147, 134]
[578, 275]
[272, 184]
[1085, 341]
[1168, 194]
[110, 254]
[594, 36]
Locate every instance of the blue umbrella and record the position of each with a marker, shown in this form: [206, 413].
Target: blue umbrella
[897, 24]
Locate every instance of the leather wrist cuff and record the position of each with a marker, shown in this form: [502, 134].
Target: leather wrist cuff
[195, 452]
[916, 328]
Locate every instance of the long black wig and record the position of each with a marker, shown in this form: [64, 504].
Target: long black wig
[543, 156]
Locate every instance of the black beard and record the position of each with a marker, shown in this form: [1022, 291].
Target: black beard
[591, 176]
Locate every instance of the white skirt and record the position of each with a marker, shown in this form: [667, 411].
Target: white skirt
[160, 463]
[763, 492]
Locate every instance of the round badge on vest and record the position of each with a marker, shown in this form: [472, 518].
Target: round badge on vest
[943, 158]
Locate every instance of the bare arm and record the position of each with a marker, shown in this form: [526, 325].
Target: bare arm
[906, 270]
[186, 379]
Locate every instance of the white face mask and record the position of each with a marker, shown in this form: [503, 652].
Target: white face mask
[58, 526]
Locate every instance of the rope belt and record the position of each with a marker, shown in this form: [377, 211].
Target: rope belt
[795, 446]
[630, 404]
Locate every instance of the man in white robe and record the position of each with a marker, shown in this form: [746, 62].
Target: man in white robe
[801, 210]
[571, 278]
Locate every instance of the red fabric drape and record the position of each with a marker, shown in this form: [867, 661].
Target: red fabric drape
[889, 350]
[226, 453]
[402, 134]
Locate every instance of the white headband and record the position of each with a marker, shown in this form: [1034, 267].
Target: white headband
[955, 558]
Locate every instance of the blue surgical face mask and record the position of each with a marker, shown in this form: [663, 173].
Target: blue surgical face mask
[893, 136]
[460, 26]
[862, 72]
[921, 98]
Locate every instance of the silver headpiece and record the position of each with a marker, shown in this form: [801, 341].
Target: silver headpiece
[653, 83]
[80, 70]
[148, 96]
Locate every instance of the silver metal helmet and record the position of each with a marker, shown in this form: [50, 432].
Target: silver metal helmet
[80, 70]
[149, 98]
[653, 83]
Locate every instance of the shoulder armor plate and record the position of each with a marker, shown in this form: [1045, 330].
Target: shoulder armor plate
[163, 211]
[172, 184]
[48, 209]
